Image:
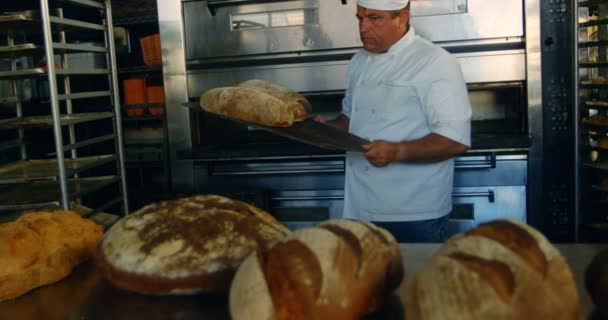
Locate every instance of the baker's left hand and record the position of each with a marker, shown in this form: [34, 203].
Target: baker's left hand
[380, 152]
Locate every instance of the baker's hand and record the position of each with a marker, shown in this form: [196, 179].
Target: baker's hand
[318, 118]
[380, 153]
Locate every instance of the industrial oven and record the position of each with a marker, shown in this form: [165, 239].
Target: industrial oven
[306, 45]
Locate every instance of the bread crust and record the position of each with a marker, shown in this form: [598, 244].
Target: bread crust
[42, 247]
[339, 270]
[257, 101]
[185, 246]
[496, 271]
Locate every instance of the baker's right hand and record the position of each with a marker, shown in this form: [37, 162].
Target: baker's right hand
[318, 118]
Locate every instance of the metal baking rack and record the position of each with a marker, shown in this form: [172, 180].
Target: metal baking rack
[85, 124]
[591, 52]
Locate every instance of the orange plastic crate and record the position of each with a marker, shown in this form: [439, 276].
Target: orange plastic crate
[156, 95]
[134, 94]
[150, 47]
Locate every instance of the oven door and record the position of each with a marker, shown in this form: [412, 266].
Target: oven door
[237, 28]
[467, 20]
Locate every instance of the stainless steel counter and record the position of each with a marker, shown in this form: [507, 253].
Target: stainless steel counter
[86, 295]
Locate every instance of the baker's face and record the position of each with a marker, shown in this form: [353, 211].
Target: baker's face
[379, 30]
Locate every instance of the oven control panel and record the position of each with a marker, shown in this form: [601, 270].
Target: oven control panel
[558, 200]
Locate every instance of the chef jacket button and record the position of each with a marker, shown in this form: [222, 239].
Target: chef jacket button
[373, 111]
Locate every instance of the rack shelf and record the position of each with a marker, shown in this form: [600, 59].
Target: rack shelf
[29, 170]
[135, 20]
[38, 72]
[591, 23]
[587, 44]
[599, 188]
[593, 64]
[597, 166]
[590, 85]
[596, 104]
[47, 121]
[30, 48]
[589, 3]
[45, 194]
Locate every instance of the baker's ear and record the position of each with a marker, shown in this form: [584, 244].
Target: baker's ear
[404, 15]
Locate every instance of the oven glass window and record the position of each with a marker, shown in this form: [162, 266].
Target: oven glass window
[421, 8]
[274, 19]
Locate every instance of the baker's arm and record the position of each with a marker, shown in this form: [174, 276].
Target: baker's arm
[431, 148]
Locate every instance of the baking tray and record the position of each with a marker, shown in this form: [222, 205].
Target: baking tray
[29, 170]
[310, 132]
[47, 194]
[47, 121]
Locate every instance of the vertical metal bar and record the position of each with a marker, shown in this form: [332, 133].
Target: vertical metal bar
[171, 26]
[577, 166]
[66, 83]
[18, 106]
[116, 102]
[50, 62]
[535, 116]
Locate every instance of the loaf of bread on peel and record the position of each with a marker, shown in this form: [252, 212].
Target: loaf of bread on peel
[257, 101]
[300, 110]
[338, 270]
[499, 270]
[42, 247]
[185, 246]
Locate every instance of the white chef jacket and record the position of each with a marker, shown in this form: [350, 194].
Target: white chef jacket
[406, 93]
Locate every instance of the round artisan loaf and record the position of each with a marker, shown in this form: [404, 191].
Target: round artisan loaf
[499, 270]
[188, 245]
[339, 270]
[257, 101]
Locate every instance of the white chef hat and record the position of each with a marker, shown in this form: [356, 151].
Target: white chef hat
[387, 5]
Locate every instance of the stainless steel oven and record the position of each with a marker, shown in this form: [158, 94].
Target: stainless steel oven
[306, 45]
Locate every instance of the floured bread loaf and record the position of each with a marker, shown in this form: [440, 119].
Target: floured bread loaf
[338, 270]
[43, 247]
[257, 101]
[284, 94]
[500, 270]
[188, 245]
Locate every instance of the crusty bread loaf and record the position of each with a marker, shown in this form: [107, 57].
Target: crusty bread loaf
[300, 110]
[185, 246]
[596, 282]
[500, 270]
[339, 270]
[43, 247]
[257, 101]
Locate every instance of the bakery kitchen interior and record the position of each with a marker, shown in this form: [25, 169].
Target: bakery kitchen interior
[304, 159]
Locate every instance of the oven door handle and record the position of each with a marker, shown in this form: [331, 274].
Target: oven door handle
[309, 198]
[260, 172]
[489, 194]
[214, 4]
[489, 163]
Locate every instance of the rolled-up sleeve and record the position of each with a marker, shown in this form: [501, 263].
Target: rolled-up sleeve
[446, 103]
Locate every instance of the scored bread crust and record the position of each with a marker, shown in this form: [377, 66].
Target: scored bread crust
[339, 270]
[496, 271]
[257, 101]
[300, 110]
[185, 246]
